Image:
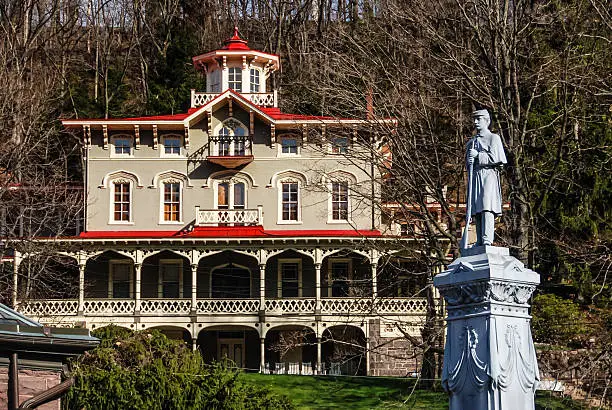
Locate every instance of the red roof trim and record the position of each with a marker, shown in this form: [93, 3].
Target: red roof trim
[228, 232]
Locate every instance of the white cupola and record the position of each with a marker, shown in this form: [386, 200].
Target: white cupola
[236, 66]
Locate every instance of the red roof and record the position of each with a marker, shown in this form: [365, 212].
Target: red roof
[278, 115]
[235, 42]
[229, 232]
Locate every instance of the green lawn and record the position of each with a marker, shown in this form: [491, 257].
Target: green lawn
[361, 393]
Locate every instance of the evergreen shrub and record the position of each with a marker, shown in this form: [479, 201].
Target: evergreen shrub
[557, 321]
[146, 370]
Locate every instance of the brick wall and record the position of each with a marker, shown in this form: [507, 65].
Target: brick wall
[31, 382]
[390, 356]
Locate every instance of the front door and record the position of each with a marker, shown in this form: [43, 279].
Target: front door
[232, 349]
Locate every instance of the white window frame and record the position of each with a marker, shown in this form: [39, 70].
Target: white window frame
[161, 201]
[162, 151]
[280, 220]
[251, 83]
[248, 149]
[331, 145]
[160, 279]
[230, 182]
[115, 262]
[330, 203]
[114, 138]
[349, 279]
[280, 275]
[111, 214]
[284, 137]
[240, 82]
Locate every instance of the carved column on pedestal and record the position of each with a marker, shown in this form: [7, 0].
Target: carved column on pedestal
[489, 357]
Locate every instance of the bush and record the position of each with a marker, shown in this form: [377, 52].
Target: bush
[146, 370]
[557, 321]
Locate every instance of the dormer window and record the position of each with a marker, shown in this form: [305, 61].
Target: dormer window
[255, 80]
[122, 146]
[235, 79]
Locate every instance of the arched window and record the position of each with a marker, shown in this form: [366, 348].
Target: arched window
[121, 201]
[171, 201]
[232, 139]
[339, 185]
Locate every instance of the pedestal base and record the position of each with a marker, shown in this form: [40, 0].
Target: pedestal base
[489, 357]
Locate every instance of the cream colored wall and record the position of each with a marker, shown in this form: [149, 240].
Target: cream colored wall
[147, 162]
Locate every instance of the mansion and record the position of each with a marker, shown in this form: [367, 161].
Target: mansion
[250, 233]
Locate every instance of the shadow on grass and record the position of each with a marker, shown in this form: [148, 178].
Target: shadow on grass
[361, 393]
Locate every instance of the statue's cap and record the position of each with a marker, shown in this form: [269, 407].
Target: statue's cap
[481, 113]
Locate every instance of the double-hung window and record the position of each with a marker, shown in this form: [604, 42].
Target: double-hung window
[120, 284]
[172, 146]
[122, 147]
[339, 145]
[170, 279]
[121, 201]
[289, 146]
[235, 79]
[172, 201]
[339, 201]
[290, 201]
[289, 279]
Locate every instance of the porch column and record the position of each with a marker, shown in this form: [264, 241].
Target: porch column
[262, 287]
[319, 370]
[318, 288]
[262, 354]
[16, 263]
[367, 356]
[374, 283]
[138, 268]
[81, 307]
[194, 289]
[194, 344]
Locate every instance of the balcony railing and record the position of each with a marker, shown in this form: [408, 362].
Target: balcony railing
[276, 306]
[261, 99]
[229, 217]
[230, 151]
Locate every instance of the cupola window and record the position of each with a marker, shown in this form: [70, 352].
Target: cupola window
[235, 79]
[255, 80]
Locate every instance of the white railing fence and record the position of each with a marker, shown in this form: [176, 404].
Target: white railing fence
[261, 99]
[165, 306]
[244, 306]
[297, 305]
[229, 216]
[105, 307]
[49, 307]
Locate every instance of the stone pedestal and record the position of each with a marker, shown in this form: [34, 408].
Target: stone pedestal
[489, 358]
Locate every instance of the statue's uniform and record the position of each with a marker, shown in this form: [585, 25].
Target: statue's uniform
[486, 187]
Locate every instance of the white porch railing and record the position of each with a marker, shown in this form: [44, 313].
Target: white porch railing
[104, 307]
[401, 306]
[346, 305]
[241, 306]
[262, 99]
[297, 305]
[165, 306]
[229, 216]
[49, 307]
[125, 307]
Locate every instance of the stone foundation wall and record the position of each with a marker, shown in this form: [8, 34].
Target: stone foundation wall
[391, 355]
[31, 383]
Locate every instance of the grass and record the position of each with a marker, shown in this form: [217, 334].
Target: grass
[361, 393]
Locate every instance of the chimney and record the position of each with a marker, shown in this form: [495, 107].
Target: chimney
[369, 105]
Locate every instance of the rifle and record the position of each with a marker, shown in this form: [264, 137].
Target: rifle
[468, 214]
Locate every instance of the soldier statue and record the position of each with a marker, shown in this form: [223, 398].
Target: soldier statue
[485, 157]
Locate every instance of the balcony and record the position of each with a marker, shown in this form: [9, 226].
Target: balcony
[261, 99]
[230, 151]
[183, 307]
[229, 217]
